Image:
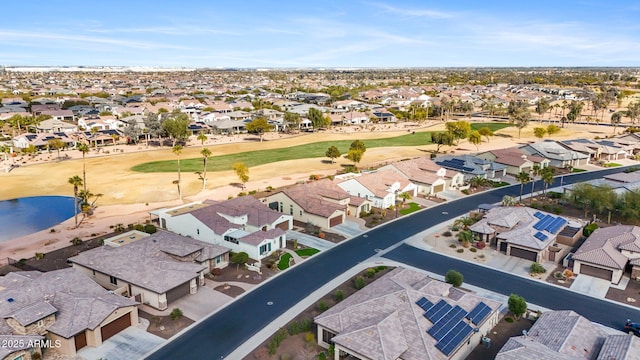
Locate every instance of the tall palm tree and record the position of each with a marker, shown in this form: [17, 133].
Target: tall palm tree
[202, 137]
[177, 149]
[535, 171]
[76, 181]
[523, 178]
[547, 178]
[84, 149]
[206, 153]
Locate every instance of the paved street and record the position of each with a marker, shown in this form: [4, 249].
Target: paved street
[218, 335]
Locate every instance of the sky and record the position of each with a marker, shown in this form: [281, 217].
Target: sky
[321, 34]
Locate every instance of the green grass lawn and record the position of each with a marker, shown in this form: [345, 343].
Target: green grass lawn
[306, 151]
[612, 165]
[493, 126]
[412, 207]
[575, 170]
[307, 252]
[284, 261]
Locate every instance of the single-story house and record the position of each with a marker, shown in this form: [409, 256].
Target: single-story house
[155, 270]
[243, 224]
[381, 187]
[565, 335]
[63, 306]
[608, 251]
[407, 315]
[522, 232]
[514, 159]
[558, 155]
[429, 177]
[471, 166]
[321, 203]
[56, 126]
[41, 141]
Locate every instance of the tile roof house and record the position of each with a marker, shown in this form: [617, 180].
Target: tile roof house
[155, 270]
[514, 159]
[429, 177]
[321, 203]
[64, 306]
[471, 166]
[242, 224]
[41, 141]
[607, 252]
[558, 155]
[407, 315]
[381, 187]
[522, 232]
[565, 335]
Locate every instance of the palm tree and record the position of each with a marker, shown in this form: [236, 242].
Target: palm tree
[76, 181]
[202, 137]
[547, 178]
[465, 237]
[524, 178]
[206, 153]
[464, 222]
[84, 149]
[177, 149]
[535, 171]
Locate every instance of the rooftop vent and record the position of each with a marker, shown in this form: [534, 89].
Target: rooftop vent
[10, 300]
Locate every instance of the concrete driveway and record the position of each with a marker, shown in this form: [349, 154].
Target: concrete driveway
[201, 304]
[310, 240]
[590, 285]
[131, 343]
[348, 229]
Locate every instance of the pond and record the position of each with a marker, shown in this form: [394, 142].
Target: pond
[23, 216]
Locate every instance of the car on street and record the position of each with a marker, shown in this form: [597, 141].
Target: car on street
[631, 327]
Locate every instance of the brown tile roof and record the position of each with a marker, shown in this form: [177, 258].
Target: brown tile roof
[603, 246]
[311, 197]
[379, 182]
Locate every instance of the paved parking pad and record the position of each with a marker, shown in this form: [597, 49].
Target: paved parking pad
[590, 285]
[131, 343]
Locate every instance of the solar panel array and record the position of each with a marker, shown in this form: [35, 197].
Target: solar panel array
[424, 303]
[549, 223]
[447, 322]
[438, 311]
[556, 225]
[456, 164]
[540, 236]
[454, 338]
[479, 313]
[539, 215]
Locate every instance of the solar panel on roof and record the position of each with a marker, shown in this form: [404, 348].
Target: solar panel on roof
[447, 323]
[538, 214]
[556, 225]
[454, 338]
[435, 309]
[540, 236]
[479, 313]
[424, 303]
[542, 223]
[440, 314]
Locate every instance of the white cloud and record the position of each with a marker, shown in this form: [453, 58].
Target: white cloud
[427, 13]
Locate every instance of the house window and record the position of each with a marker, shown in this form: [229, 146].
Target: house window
[290, 209]
[40, 323]
[300, 212]
[281, 207]
[198, 231]
[218, 259]
[113, 280]
[94, 272]
[265, 249]
[230, 239]
[327, 336]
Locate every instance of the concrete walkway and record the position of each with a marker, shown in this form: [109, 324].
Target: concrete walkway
[309, 240]
[296, 258]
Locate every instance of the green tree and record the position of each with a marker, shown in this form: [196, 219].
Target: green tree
[542, 106]
[616, 117]
[404, 196]
[84, 149]
[539, 132]
[547, 178]
[519, 115]
[486, 132]
[176, 126]
[355, 156]
[76, 181]
[517, 305]
[465, 237]
[454, 278]
[441, 139]
[206, 154]
[242, 172]
[202, 137]
[292, 120]
[316, 118]
[332, 153]
[458, 129]
[523, 177]
[633, 111]
[475, 138]
[56, 144]
[575, 109]
[239, 258]
[358, 145]
[177, 149]
[259, 126]
[535, 172]
[552, 130]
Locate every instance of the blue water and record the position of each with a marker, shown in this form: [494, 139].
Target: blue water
[23, 216]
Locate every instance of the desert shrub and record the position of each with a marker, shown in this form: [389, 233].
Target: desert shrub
[473, 249]
[447, 233]
[322, 306]
[453, 246]
[537, 268]
[455, 228]
[480, 244]
[557, 210]
[461, 250]
[558, 275]
[175, 314]
[339, 295]
[454, 278]
[589, 229]
[309, 337]
[359, 282]
[322, 235]
[270, 188]
[150, 229]
[242, 193]
[76, 241]
[465, 191]
[567, 273]
[555, 195]
[299, 326]
[508, 319]
[39, 255]
[380, 268]
[481, 256]
[276, 340]
[253, 192]
[370, 272]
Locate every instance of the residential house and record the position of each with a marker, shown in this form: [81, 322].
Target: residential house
[64, 306]
[471, 166]
[41, 141]
[380, 187]
[608, 251]
[429, 177]
[525, 233]
[321, 203]
[239, 115]
[61, 115]
[55, 126]
[37, 109]
[565, 335]
[383, 116]
[407, 315]
[514, 159]
[242, 224]
[155, 270]
[558, 155]
[620, 183]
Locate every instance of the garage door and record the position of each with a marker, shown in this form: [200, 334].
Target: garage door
[80, 340]
[335, 221]
[283, 225]
[178, 292]
[596, 272]
[524, 254]
[115, 326]
[438, 188]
